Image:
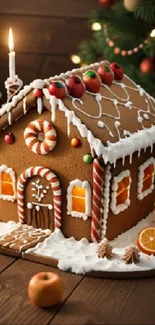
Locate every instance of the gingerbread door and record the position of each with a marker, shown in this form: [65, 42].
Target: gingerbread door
[39, 198]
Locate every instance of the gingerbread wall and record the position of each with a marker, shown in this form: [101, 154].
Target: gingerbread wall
[137, 209]
[64, 160]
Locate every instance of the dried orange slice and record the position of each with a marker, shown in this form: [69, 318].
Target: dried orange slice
[146, 241]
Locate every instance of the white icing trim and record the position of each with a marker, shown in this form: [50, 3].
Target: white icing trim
[140, 194]
[11, 172]
[87, 199]
[105, 201]
[117, 208]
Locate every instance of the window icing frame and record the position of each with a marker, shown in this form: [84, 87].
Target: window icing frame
[87, 199]
[10, 171]
[141, 168]
[117, 208]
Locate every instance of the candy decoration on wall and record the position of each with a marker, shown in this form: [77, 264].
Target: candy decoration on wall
[88, 159]
[40, 137]
[57, 89]
[38, 92]
[75, 86]
[130, 5]
[9, 138]
[106, 74]
[55, 184]
[75, 142]
[117, 70]
[98, 173]
[92, 81]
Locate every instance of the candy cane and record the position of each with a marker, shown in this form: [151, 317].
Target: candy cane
[52, 179]
[98, 173]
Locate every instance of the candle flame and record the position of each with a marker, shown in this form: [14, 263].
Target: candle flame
[11, 43]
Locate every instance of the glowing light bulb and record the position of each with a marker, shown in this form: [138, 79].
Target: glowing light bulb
[96, 26]
[75, 59]
[152, 34]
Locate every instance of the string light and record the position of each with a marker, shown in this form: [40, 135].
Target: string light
[75, 59]
[96, 26]
[152, 33]
[122, 52]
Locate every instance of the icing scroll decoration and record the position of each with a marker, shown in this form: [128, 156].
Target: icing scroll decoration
[146, 178]
[39, 193]
[79, 199]
[7, 184]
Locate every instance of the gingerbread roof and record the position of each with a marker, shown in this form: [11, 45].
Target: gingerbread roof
[117, 121]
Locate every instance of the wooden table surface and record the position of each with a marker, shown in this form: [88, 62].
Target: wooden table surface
[86, 300]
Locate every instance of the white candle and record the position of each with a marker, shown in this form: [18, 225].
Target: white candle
[11, 58]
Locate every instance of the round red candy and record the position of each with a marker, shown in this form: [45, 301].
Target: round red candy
[9, 138]
[37, 92]
[75, 142]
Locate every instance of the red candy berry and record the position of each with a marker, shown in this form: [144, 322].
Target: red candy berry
[75, 142]
[75, 86]
[57, 89]
[92, 81]
[9, 138]
[106, 74]
[117, 70]
[37, 92]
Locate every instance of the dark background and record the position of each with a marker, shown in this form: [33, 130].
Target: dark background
[46, 33]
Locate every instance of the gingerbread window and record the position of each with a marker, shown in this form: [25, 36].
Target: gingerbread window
[7, 184]
[146, 178]
[79, 199]
[120, 198]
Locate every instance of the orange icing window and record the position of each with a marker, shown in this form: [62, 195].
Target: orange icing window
[6, 184]
[122, 191]
[78, 199]
[148, 177]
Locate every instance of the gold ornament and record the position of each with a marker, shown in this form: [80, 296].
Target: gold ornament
[130, 5]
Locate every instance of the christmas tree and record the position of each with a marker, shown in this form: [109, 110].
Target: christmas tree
[124, 32]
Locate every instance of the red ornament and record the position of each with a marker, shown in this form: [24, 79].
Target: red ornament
[75, 142]
[37, 92]
[92, 81]
[117, 70]
[106, 74]
[9, 138]
[147, 65]
[75, 86]
[106, 3]
[57, 89]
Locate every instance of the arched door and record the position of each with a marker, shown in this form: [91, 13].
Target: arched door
[37, 209]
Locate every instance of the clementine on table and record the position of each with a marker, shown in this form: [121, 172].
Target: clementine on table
[45, 289]
[146, 241]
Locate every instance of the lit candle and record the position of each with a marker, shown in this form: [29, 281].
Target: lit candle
[11, 57]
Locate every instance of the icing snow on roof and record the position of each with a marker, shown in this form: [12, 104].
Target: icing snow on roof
[117, 121]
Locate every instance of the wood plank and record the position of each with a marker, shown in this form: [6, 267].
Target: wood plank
[44, 35]
[54, 65]
[63, 8]
[109, 302]
[13, 293]
[5, 261]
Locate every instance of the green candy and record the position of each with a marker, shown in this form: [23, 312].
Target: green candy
[88, 159]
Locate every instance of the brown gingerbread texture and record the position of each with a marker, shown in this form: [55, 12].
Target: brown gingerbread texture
[102, 187]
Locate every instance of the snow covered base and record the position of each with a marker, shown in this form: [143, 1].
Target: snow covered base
[80, 256]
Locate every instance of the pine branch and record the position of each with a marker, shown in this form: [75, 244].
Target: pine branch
[145, 10]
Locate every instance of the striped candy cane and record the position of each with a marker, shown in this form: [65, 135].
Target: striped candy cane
[98, 173]
[52, 179]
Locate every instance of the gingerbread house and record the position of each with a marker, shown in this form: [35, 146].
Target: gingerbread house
[77, 153]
